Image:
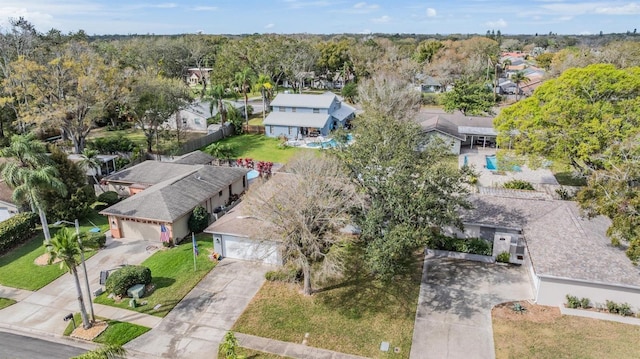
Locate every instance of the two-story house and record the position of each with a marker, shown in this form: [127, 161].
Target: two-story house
[300, 115]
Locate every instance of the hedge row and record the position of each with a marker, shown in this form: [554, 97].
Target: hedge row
[126, 277]
[17, 230]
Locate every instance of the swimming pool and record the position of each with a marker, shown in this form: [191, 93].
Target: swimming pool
[492, 164]
[326, 144]
[252, 174]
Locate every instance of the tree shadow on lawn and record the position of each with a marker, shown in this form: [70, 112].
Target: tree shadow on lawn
[361, 292]
[162, 282]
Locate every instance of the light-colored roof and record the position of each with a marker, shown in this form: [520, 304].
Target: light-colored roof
[173, 198]
[482, 131]
[300, 119]
[343, 112]
[304, 100]
[560, 241]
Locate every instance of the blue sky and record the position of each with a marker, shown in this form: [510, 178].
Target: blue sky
[326, 16]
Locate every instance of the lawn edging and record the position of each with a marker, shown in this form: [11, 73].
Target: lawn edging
[599, 315]
[439, 253]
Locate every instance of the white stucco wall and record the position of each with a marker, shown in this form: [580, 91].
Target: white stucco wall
[452, 143]
[553, 291]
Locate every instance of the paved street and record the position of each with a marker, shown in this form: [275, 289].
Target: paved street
[454, 309]
[19, 347]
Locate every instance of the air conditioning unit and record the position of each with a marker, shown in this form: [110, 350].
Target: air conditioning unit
[516, 250]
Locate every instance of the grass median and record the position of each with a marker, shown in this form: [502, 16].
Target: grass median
[117, 333]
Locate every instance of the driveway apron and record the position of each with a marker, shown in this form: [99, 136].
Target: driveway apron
[453, 319]
[197, 325]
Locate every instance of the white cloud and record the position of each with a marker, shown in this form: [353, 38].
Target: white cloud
[500, 24]
[304, 4]
[382, 19]
[628, 9]
[269, 26]
[431, 12]
[205, 8]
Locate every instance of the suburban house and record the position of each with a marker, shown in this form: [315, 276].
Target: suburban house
[196, 75]
[566, 253]
[194, 158]
[299, 115]
[107, 164]
[165, 194]
[194, 117]
[428, 84]
[457, 130]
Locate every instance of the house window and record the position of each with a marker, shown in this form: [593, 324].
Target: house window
[196, 121]
[289, 130]
[184, 121]
[293, 109]
[271, 130]
[316, 110]
[220, 193]
[282, 109]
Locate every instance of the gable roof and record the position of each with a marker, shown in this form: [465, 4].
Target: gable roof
[436, 123]
[301, 119]
[343, 112]
[304, 100]
[561, 242]
[194, 158]
[150, 172]
[171, 199]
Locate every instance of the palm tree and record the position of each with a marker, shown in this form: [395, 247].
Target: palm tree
[263, 84]
[244, 81]
[64, 246]
[91, 163]
[30, 174]
[518, 78]
[218, 102]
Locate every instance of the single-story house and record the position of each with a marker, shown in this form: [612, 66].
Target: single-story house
[165, 193]
[194, 117]
[458, 130]
[298, 115]
[566, 253]
[428, 84]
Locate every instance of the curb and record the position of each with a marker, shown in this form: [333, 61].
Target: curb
[50, 337]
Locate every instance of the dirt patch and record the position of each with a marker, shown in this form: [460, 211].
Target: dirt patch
[91, 333]
[532, 312]
[43, 260]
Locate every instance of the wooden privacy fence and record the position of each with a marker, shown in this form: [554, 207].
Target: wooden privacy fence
[254, 130]
[200, 142]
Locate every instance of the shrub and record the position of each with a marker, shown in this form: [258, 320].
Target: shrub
[199, 219]
[518, 184]
[229, 346]
[464, 245]
[431, 99]
[573, 302]
[503, 257]
[126, 277]
[111, 144]
[623, 309]
[16, 230]
[564, 194]
[109, 197]
[289, 273]
[585, 303]
[95, 240]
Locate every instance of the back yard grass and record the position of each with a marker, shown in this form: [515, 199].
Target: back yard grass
[261, 148]
[138, 137]
[173, 276]
[542, 332]
[352, 317]
[18, 270]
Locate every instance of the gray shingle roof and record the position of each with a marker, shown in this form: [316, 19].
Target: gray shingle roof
[194, 158]
[436, 123]
[150, 172]
[560, 241]
[343, 112]
[301, 119]
[304, 100]
[171, 199]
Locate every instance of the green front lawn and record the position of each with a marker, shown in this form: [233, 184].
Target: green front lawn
[5, 302]
[18, 270]
[117, 333]
[173, 276]
[351, 317]
[261, 148]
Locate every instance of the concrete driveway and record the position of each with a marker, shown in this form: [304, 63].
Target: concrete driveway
[197, 325]
[453, 319]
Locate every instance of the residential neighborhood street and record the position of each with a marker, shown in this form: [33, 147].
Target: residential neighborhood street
[20, 347]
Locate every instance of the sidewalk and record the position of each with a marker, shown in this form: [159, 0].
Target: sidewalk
[14, 293]
[289, 349]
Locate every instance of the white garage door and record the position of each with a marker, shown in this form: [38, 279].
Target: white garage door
[138, 230]
[247, 249]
